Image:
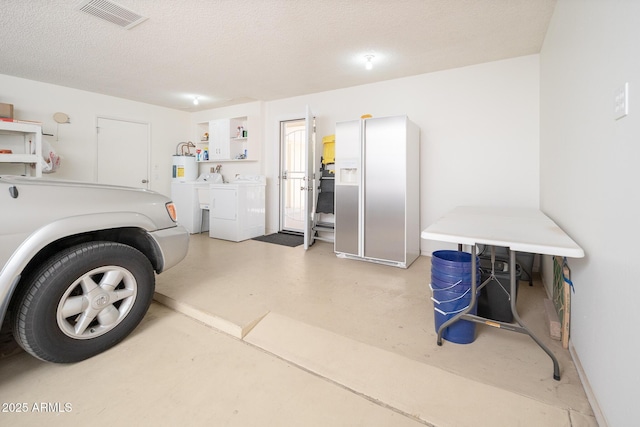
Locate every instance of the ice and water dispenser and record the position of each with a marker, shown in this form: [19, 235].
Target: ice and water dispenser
[348, 172]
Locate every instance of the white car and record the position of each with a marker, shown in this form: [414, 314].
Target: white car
[77, 262]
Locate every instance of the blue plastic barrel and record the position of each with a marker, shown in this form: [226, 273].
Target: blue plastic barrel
[452, 261]
[451, 258]
[451, 290]
[462, 331]
[459, 287]
[464, 280]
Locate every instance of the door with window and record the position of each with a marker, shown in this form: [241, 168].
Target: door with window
[292, 176]
[297, 147]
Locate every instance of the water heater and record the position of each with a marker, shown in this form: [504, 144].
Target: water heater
[184, 168]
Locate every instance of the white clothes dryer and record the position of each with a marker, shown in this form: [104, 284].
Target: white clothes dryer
[237, 209]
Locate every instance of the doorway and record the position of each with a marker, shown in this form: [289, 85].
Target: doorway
[123, 152]
[292, 176]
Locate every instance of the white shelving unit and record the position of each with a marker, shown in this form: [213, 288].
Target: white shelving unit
[228, 140]
[25, 142]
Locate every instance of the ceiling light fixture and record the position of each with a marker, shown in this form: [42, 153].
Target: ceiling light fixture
[369, 64]
[195, 101]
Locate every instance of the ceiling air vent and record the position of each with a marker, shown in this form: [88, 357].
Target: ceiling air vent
[112, 12]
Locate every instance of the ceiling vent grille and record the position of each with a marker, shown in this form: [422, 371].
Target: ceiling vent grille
[111, 12]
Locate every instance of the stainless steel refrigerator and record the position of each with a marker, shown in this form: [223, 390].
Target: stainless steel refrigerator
[377, 190]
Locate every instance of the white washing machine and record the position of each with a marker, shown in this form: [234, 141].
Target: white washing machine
[186, 198]
[237, 209]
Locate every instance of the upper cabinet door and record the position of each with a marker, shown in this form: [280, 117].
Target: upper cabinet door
[219, 138]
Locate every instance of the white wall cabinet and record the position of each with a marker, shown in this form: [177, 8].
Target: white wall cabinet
[25, 142]
[219, 140]
[225, 140]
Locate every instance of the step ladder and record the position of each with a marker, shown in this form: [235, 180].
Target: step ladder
[324, 215]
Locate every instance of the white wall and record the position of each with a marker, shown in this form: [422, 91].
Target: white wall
[479, 132]
[589, 179]
[76, 141]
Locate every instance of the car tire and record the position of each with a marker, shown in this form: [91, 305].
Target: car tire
[83, 301]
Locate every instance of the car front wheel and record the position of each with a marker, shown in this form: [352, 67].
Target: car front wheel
[83, 301]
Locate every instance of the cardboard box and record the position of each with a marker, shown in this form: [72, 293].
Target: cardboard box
[6, 111]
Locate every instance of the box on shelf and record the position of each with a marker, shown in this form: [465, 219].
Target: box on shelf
[6, 111]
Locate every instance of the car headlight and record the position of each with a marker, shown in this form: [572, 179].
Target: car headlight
[171, 209]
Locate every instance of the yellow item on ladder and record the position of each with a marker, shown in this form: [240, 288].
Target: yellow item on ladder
[328, 149]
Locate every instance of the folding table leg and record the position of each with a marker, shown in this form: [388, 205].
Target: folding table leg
[516, 316]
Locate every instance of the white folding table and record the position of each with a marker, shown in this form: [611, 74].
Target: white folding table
[520, 230]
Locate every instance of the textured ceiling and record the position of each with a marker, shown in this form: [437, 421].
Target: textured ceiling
[233, 51]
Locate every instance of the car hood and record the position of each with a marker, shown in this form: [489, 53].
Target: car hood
[28, 203]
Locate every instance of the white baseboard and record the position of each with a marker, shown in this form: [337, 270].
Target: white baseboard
[595, 407]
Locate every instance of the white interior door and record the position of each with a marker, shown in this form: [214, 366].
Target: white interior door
[123, 153]
[309, 182]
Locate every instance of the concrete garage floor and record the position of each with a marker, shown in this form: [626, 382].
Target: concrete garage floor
[256, 334]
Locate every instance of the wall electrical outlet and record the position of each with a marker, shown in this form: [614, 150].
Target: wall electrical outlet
[621, 102]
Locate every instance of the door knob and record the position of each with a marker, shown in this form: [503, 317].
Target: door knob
[144, 181]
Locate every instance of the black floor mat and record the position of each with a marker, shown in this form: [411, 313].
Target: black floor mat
[284, 239]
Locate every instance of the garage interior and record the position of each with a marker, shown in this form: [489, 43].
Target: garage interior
[516, 105]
